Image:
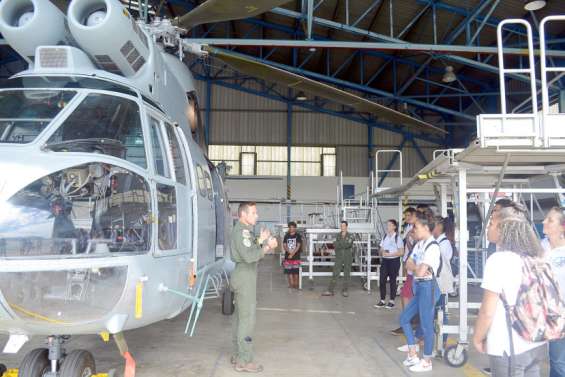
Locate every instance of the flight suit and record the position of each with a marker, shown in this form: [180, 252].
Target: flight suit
[245, 253]
[343, 258]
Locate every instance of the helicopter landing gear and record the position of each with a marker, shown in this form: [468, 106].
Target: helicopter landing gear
[78, 363]
[53, 361]
[35, 363]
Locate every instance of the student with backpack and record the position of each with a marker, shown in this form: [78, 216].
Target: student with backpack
[406, 292]
[445, 279]
[425, 263]
[554, 229]
[391, 249]
[512, 326]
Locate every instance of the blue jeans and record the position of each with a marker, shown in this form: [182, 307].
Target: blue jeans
[557, 358]
[426, 295]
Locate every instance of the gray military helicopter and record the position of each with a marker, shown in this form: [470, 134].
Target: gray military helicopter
[111, 216]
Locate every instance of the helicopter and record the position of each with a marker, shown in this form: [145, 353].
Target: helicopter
[111, 216]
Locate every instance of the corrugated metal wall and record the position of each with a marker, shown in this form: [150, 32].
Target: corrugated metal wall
[241, 118]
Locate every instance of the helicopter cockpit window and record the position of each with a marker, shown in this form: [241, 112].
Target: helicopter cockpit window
[167, 202]
[209, 189]
[158, 147]
[201, 176]
[24, 114]
[177, 155]
[103, 124]
[94, 209]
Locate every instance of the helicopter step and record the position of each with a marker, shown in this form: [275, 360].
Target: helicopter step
[210, 285]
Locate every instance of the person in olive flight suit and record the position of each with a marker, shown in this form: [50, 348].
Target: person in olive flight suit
[246, 251]
[343, 258]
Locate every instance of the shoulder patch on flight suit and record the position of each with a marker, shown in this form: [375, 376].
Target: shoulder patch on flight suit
[247, 242]
[245, 233]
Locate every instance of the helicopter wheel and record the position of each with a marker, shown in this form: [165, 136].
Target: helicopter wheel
[78, 363]
[228, 306]
[35, 363]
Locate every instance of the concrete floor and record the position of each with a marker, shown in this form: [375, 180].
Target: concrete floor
[297, 334]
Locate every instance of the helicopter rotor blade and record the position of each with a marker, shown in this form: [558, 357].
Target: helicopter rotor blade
[225, 10]
[252, 67]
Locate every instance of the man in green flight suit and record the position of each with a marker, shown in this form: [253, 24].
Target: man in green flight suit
[246, 251]
[343, 258]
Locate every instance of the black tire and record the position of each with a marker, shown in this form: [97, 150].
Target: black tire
[452, 360]
[78, 363]
[228, 306]
[3, 369]
[35, 363]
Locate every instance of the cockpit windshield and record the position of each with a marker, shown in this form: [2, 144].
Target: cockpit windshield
[104, 124]
[24, 114]
[91, 209]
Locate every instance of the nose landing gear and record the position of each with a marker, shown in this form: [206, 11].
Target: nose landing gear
[53, 361]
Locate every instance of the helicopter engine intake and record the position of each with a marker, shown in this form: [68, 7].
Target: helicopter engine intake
[28, 24]
[106, 30]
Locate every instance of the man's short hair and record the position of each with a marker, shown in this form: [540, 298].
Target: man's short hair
[244, 207]
[344, 222]
[292, 223]
[410, 210]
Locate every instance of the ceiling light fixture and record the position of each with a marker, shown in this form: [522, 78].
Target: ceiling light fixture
[301, 96]
[449, 76]
[533, 5]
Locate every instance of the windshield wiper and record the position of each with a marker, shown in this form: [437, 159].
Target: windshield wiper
[112, 147]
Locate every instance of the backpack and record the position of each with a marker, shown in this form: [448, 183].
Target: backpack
[454, 261]
[445, 278]
[539, 312]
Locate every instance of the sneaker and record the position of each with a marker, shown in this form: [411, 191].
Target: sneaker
[397, 331]
[380, 304]
[328, 293]
[422, 366]
[410, 361]
[390, 305]
[345, 293]
[405, 348]
[249, 368]
[487, 371]
[233, 360]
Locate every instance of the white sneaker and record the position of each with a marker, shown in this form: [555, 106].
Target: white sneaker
[422, 366]
[406, 348]
[410, 361]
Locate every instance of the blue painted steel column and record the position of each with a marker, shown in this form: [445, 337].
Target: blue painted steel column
[370, 147]
[208, 109]
[288, 155]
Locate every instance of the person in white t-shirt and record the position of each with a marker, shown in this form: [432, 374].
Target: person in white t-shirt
[391, 249]
[424, 263]
[513, 236]
[554, 229]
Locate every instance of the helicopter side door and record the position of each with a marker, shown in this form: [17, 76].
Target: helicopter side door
[173, 197]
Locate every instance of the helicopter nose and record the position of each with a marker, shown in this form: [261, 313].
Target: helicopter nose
[64, 297]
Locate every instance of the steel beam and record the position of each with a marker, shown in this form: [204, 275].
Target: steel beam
[404, 46]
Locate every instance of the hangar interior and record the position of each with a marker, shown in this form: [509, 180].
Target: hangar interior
[392, 103]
